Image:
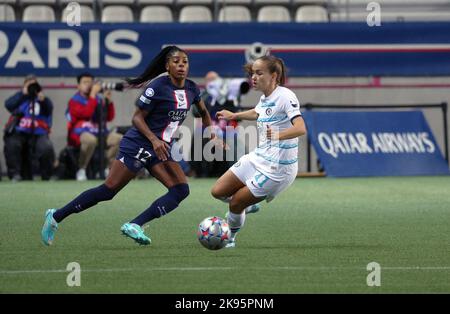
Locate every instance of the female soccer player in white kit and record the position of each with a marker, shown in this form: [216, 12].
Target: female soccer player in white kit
[272, 166]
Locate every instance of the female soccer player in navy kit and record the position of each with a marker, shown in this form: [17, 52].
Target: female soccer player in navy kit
[162, 107]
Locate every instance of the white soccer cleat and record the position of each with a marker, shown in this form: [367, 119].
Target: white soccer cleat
[231, 244]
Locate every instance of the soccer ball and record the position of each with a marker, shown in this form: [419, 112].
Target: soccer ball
[214, 233]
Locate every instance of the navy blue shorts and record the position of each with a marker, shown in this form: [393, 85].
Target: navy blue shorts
[136, 154]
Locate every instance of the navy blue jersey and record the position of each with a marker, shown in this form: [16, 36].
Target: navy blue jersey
[168, 106]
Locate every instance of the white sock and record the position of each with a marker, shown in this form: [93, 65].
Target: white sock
[236, 222]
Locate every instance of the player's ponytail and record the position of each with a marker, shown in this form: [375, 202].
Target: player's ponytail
[282, 75]
[156, 67]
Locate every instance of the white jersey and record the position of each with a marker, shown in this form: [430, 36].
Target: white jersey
[276, 159]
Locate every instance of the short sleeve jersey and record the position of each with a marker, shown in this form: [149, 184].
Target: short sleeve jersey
[277, 111]
[167, 105]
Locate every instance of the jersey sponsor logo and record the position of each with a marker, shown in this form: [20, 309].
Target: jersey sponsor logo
[181, 99]
[149, 92]
[268, 111]
[177, 115]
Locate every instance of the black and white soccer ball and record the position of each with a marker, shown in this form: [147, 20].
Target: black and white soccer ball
[214, 233]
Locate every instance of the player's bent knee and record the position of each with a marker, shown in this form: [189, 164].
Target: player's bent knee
[180, 191]
[104, 193]
[113, 185]
[217, 192]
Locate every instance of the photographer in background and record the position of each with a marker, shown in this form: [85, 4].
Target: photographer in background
[85, 108]
[28, 149]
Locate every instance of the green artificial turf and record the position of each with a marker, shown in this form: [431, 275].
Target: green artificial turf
[316, 237]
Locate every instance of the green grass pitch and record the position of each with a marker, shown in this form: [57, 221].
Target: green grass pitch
[316, 237]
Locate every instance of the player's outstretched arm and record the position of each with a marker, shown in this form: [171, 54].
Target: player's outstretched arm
[244, 115]
[206, 118]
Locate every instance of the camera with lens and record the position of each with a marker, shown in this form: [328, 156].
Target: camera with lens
[111, 86]
[34, 89]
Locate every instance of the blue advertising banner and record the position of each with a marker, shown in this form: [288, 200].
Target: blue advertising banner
[309, 49]
[374, 143]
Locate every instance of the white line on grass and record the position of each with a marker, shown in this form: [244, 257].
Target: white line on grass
[287, 268]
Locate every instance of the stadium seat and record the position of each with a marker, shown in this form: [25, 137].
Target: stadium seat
[312, 2]
[397, 3]
[118, 2]
[90, 2]
[38, 13]
[87, 15]
[272, 2]
[311, 13]
[117, 14]
[7, 13]
[236, 2]
[41, 2]
[273, 13]
[154, 2]
[191, 2]
[234, 13]
[195, 13]
[392, 16]
[156, 14]
[443, 16]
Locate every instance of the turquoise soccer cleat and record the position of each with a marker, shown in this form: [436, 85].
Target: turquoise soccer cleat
[136, 233]
[49, 228]
[253, 209]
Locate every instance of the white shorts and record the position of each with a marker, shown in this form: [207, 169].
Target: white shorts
[259, 184]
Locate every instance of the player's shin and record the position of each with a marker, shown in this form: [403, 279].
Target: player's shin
[163, 205]
[85, 200]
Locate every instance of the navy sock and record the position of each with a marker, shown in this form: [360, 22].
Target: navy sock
[163, 205]
[85, 200]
